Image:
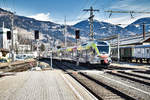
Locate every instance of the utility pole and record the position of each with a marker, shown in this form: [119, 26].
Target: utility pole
[91, 20]
[143, 30]
[65, 31]
[51, 57]
[12, 37]
[118, 48]
[12, 15]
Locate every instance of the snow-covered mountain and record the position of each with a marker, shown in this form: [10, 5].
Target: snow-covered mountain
[137, 27]
[102, 29]
[50, 29]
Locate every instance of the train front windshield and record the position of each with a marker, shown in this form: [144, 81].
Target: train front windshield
[103, 49]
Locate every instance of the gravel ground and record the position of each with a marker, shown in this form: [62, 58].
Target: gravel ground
[141, 74]
[134, 89]
[130, 91]
[140, 77]
[102, 92]
[141, 80]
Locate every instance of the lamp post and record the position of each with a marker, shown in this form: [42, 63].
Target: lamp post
[51, 57]
[12, 35]
[118, 48]
[36, 36]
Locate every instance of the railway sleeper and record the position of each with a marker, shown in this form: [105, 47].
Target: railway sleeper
[113, 90]
[132, 74]
[130, 78]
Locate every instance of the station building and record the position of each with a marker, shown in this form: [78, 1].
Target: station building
[132, 40]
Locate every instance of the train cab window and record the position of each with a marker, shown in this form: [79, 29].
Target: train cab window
[103, 49]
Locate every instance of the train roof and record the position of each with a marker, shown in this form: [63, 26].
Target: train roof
[85, 45]
[142, 46]
[95, 41]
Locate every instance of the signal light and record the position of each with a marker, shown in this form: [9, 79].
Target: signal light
[36, 34]
[8, 35]
[77, 34]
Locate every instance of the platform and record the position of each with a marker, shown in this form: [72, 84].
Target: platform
[41, 85]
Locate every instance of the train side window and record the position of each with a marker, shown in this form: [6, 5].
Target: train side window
[138, 50]
[147, 51]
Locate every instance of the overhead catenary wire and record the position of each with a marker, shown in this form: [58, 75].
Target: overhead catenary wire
[94, 3]
[13, 6]
[3, 4]
[80, 16]
[130, 12]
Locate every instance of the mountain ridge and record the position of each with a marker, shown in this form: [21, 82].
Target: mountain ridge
[56, 31]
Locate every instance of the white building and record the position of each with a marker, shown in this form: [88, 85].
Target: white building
[24, 48]
[4, 43]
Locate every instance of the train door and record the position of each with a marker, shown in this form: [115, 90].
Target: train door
[142, 52]
[147, 52]
[138, 53]
[89, 54]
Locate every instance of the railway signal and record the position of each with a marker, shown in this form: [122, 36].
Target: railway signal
[8, 35]
[77, 32]
[36, 34]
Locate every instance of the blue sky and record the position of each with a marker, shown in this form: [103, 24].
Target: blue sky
[56, 10]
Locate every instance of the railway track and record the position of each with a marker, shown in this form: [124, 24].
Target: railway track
[135, 75]
[131, 77]
[99, 89]
[131, 88]
[145, 72]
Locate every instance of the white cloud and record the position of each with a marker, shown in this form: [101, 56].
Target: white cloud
[41, 16]
[46, 17]
[6, 8]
